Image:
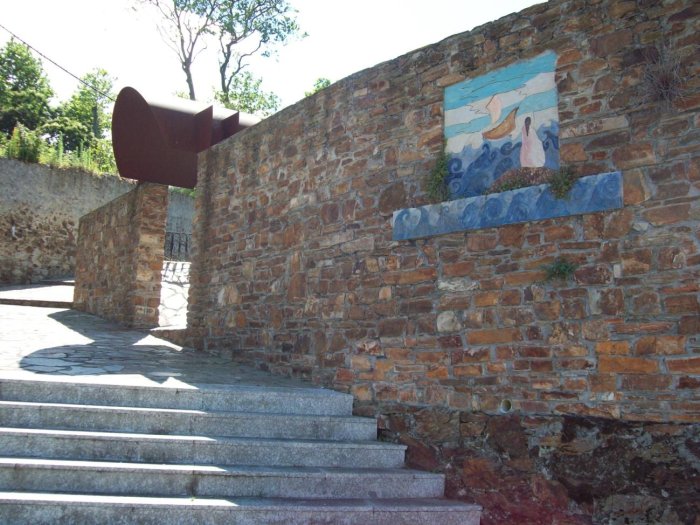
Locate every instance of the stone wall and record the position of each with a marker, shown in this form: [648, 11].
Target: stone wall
[295, 271]
[180, 212]
[44, 205]
[120, 257]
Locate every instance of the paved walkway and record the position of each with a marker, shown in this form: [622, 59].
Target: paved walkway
[67, 345]
[59, 294]
[175, 288]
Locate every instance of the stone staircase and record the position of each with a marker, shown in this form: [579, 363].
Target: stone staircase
[95, 453]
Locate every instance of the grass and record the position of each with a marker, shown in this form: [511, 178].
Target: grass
[561, 269]
[663, 78]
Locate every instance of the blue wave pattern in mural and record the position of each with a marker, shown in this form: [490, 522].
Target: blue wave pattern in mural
[492, 160]
[589, 194]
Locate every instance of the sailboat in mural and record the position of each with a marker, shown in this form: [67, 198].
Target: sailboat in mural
[503, 129]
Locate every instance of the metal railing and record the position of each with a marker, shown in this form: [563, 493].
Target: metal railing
[177, 246]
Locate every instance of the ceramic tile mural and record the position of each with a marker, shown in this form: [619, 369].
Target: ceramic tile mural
[588, 195]
[499, 122]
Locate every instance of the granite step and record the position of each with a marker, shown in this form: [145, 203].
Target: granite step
[153, 448]
[89, 452]
[38, 303]
[61, 416]
[37, 508]
[229, 398]
[145, 479]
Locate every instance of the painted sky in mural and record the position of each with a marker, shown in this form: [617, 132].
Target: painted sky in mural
[501, 121]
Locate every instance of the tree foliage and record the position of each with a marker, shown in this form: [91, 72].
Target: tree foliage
[91, 104]
[242, 28]
[184, 26]
[70, 135]
[246, 27]
[24, 89]
[321, 83]
[84, 118]
[246, 95]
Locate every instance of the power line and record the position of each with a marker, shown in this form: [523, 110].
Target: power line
[106, 95]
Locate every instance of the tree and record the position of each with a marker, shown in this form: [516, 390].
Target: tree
[89, 104]
[243, 28]
[247, 27]
[24, 89]
[245, 95]
[84, 117]
[72, 134]
[321, 83]
[185, 23]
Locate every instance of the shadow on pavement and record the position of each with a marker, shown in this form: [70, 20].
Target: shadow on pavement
[117, 350]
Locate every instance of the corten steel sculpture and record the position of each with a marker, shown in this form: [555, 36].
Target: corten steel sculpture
[159, 141]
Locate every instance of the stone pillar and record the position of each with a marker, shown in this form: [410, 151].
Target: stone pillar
[120, 257]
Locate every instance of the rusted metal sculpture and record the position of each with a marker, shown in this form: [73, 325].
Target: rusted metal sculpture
[159, 141]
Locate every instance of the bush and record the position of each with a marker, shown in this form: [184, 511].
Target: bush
[24, 145]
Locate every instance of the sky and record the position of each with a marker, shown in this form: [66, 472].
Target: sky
[343, 38]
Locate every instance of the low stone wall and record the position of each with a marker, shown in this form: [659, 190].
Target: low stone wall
[39, 212]
[44, 206]
[120, 257]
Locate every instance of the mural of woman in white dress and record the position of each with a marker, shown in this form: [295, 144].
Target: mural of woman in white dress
[531, 152]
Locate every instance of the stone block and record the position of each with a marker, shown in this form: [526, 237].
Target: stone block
[612, 347]
[448, 322]
[634, 156]
[391, 327]
[627, 365]
[594, 126]
[670, 214]
[689, 365]
[660, 345]
[485, 337]
[682, 304]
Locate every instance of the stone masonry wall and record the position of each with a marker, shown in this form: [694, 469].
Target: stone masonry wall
[120, 257]
[44, 205]
[294, 270]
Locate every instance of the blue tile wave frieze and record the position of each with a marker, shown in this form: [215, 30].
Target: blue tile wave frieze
[588, 195]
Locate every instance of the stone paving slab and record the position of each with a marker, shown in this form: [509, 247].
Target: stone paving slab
[63, 344]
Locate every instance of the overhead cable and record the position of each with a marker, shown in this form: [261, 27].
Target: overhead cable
[86, 84]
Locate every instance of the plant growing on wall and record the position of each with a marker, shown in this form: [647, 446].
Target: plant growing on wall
[561, 269]
[561, 182]
[663, 79]
[436, 186]
[321, 83]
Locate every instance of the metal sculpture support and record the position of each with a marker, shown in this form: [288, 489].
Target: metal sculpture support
[159, 141]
